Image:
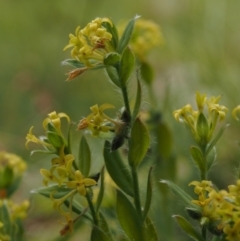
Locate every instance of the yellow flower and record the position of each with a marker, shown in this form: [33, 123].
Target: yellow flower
[90, 45]
[146, 36]
[54, 118]
[49, 176]
[232, 232]
[31, 138]
[235, 111]
[80, 183]
[201, 100]
[99, 123]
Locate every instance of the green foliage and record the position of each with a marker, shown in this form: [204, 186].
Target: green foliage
[84, 157]
[139, 143]
[118, 170]
[128, 217]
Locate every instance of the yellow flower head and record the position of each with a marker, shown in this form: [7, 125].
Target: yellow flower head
[90, 45]
[31, 138]
[235, 111]
[54, 119]
[201, 100]
[80, 183]
[146, 36]
[98, 123]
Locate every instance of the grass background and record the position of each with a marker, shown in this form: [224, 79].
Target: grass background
[201, 52]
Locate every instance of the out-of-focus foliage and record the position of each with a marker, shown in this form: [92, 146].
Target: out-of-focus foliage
[201, 52]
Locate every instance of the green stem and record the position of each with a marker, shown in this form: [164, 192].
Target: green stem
[137, 201]
[125, 98]
[94, 216]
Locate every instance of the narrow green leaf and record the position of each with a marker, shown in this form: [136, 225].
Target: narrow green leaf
[148, 195]
[188, 228]
[112, 30]
[127, 34]
[202, 127]
[84, 157]
[118, 170]
[111, 58]
[104, 226]
[73, 62]
[98, 235]
[139, 143]
[138, 100]
[147, 73]
[197, 158]
[55, 139]
[127, 65]
[181, 194]
[150, 231]
[54, 190]
[101, 191]
[5, 217]
[113, 75]
[211, 158]
[215, 140]
[128, 217]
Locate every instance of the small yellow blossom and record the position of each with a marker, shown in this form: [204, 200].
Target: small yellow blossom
[232, 232]
[201, 100]
[31, 138]
[146, 36]
[49, 176]
[80, 183]
[54, 118]
[235, 111]
[99, 123]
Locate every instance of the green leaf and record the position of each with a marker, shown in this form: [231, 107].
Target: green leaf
[150, 231]
[5, 217]
[111, 58]
[56, 140]
[126, 65]
[104, 225]
[181, 194]
[113, 75]
[211, 158]
[198, 158]
[147, 73]
[98, 235]
[138, 100]
[215, 140]
[84, 157]
[73, 62]
[6, 177]
[164, 140]
[148, 195]
[101, 191]
[127, 34]
[54, 190]
[128, 217]
[112, 30]
[118, 170]
[188, 228]
[202, 127]
[139, 143]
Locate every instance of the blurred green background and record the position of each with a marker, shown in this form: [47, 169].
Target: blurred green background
[201, 52]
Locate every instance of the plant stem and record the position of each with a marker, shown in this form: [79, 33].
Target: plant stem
[95, 220]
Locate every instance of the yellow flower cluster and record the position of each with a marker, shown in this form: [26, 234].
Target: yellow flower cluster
[91, 44]
[13, 162]
[190, 117]
[146, 35]
[221, 208]
[99, 124]
[62, 171]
